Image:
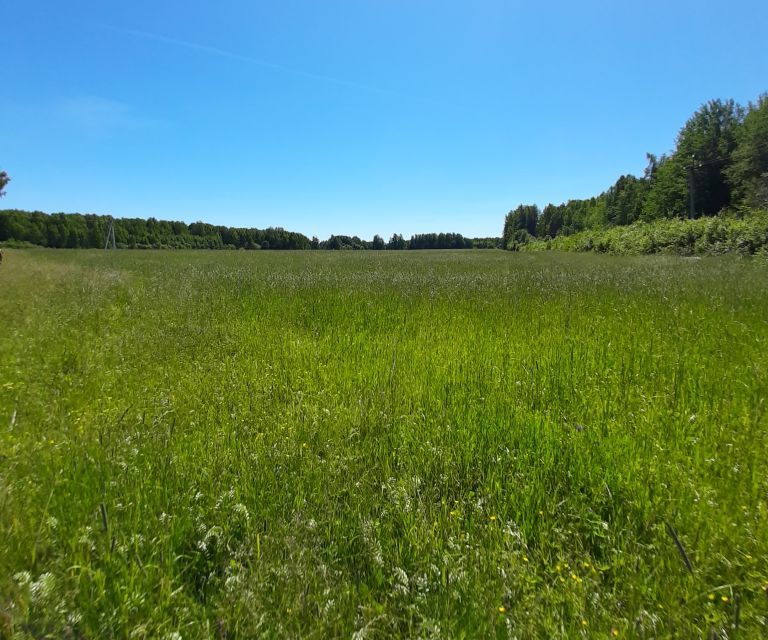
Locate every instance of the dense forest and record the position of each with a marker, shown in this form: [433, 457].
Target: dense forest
[418, 241]
[78, 231]
[719, 165]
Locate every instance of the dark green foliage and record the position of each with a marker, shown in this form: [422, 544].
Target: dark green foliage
[524, 218]
[704, 148]
[4, 180]
[340, 243]
[77, 231]
[378, 243]
[519, 239]
[748, 172]
[668, 189]
[571, 217]
[624, 200]
[439, 241]
[396, 242]
[551, 221]
[709, 138]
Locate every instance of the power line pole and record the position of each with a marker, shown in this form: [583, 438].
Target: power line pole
[691, 188]
[110, 234]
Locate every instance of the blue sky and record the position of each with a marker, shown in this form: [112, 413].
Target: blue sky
[374, 116]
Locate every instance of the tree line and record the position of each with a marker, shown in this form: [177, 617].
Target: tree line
[89, 231]
[418, 241]
[719, 164]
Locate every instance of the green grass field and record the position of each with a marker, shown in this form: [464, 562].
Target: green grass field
[378, 444]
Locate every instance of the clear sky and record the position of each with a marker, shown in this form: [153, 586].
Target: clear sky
[354, 117]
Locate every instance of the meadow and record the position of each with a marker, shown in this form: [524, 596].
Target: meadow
[361, 445]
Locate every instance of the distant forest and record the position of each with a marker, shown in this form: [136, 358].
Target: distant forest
[89, 231]
[719, 165]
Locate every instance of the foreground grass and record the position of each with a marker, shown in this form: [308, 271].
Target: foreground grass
[464, 444]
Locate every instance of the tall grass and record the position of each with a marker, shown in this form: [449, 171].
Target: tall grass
[438, 444]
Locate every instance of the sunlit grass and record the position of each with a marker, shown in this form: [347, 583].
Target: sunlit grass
[437, 444]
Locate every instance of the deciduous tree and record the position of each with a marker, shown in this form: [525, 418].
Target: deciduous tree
[4, 180]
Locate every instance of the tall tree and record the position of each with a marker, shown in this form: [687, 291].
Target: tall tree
[667, 189]
[699, 163]
[396, 242]
[748, 173]
[524, 218]
[550, 221]
[4, 180]
[624, 200]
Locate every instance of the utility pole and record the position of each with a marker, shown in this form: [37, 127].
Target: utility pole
[691, 188]
[110, 235]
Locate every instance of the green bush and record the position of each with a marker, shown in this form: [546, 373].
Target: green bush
[731, 233]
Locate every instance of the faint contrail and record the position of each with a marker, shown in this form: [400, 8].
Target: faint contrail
[223, 53]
